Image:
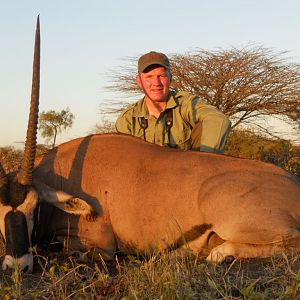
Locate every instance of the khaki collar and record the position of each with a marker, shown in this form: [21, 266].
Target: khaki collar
[140, 109]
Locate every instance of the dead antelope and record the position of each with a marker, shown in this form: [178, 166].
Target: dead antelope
[112, 191]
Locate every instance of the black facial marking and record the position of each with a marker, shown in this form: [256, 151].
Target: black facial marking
[17, 241]
[4, 195]
[190, 235]
[17, 193]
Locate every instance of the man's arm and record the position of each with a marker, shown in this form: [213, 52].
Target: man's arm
[215, 129]
[208, 122]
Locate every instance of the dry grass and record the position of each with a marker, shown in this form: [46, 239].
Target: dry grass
[162, 276]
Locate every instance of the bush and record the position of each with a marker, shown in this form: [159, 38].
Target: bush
[11, 157]
[280, 152]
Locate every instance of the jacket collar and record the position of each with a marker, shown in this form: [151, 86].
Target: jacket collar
[140, 109]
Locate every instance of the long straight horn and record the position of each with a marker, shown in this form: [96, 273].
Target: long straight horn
[3, 178]
[25, 175]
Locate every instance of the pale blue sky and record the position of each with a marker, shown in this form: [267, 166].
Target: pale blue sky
[84, 40]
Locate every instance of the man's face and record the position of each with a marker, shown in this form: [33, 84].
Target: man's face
[155, 82]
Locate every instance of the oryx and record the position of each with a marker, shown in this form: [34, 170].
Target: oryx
[116, 191]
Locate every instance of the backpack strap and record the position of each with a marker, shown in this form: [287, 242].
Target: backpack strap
[169, 119]
[169, 123]
[144, 125]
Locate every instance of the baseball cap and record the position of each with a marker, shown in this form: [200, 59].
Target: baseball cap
[153, 58]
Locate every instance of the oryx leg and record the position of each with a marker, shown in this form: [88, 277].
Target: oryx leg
[239, 250]
[203, 244]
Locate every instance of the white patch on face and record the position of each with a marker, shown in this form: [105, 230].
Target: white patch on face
[21, 263]
[30, 202]
[28, 207]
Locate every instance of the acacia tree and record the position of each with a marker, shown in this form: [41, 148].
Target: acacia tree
[247, 84]
[53, 122]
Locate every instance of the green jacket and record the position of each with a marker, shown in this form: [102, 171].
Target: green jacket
[188, 110]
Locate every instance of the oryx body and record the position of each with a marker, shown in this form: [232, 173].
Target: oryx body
[148, 197]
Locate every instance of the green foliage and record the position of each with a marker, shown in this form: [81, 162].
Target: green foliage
[52, 122]
[105, 126]
[167, 275]
[280, 152]
[11, 157]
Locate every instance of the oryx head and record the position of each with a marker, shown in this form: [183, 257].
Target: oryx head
[17, 197]
[20, 193]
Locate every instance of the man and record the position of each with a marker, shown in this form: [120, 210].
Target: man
[172, 118]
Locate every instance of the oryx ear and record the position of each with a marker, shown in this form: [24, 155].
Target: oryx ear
[64, 201]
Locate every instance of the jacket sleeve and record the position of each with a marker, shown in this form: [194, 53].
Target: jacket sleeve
[215, 126]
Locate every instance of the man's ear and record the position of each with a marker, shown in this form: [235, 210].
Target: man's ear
[139, 81]
[170, 75]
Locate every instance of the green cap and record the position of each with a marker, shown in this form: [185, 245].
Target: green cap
[153, 58]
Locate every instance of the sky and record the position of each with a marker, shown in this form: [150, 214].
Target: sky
[84, 41]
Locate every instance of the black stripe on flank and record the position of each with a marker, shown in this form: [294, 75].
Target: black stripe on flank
[16, 234]
[190, 235]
